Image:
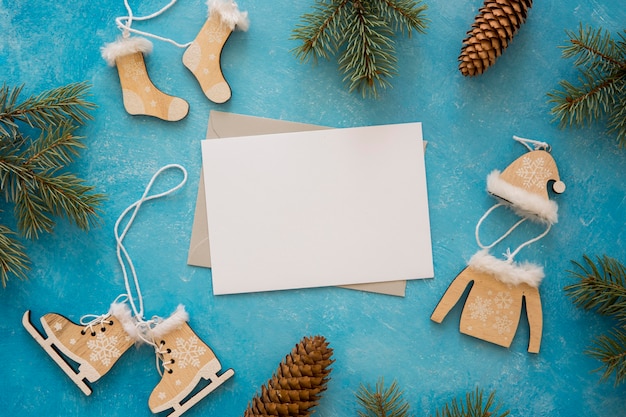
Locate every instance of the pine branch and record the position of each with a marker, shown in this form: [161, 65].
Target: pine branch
[601, 287]
[67, 102]
[611, 351]
[368, 60]
[362, 30]
[382, 402]
[13, 260]
[473, 407]
[33, 171]
[601, 88]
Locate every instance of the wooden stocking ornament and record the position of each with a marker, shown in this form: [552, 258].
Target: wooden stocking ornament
[140, 96]
[203, 56]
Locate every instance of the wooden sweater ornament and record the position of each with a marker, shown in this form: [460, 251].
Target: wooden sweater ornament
[87, 350]
[494, 304]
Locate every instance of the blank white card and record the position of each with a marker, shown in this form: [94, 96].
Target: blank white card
[317, 208]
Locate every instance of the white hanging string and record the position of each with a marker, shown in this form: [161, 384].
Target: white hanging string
[124, 23]
[538, 145]
[508, 254]
[122, 254]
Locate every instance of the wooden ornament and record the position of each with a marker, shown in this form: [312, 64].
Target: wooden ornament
[493, 308]
[93, 348]
[203, 58]
[141, 97]
[186, 361]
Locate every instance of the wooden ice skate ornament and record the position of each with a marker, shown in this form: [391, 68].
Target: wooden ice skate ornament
[203, 57]
[139, 94]
[493, 306]
[85, 351]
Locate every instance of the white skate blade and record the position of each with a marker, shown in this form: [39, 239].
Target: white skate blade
[56, 356]
[215, 382]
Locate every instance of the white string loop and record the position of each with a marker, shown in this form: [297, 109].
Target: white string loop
[508, 254]
[538, 145]
[122, 254]
[124, 23]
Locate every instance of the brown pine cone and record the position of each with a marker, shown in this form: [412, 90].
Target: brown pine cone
[297, 384]
[493, 28]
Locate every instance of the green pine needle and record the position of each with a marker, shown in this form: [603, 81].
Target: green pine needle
[361, 32]
[601, 287]
[382, 402]
[600, 91]
[33, 172]
[611, 351]
[473, 406]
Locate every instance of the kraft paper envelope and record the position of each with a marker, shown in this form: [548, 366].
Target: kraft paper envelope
[308, 209]
[223, 125]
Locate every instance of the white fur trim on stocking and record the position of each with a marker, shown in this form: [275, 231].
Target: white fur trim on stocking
[122, 312]
[229, 14]
[522, 202]
[125, 46]
[178, 317]
[513, 273]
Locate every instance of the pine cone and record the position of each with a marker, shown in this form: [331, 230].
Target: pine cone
[297, 384]
[493, 28]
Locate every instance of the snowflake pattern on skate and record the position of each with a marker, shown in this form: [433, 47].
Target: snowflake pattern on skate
[480, 309]
[103, 349]
[533, 173]
[188, 352]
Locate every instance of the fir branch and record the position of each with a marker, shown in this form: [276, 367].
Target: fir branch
[32, 171]
[13, 260]
[601, 287]
[473, 407]
[611, 351]
[361, 31]
[382, 402]
[67, 102]
[601, 88]
[319, 31]
[368, 59]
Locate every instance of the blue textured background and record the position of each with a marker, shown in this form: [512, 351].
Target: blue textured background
[468, 123]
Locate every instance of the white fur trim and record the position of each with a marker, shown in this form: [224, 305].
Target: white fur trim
[178, 317]
[523, 202]
[512, 273]
[229, 14]
[125, 46]
[124, 315]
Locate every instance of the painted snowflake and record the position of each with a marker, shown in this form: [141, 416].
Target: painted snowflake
[503, 324]
[188, 352]
[215, 35]
[480, 309]
[503, 300]
[533, 173]
[103, 349]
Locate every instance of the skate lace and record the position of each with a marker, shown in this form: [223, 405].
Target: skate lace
[91, 322]
[160, 358]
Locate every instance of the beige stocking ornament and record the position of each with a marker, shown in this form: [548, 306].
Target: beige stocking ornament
[500, 286]
[203, 56]
[139, 94]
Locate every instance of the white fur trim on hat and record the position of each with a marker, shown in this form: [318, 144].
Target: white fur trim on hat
[512, 273]
[178, 317]
[129, 323]
[229, 14]
[125, 46]
[523, 202]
